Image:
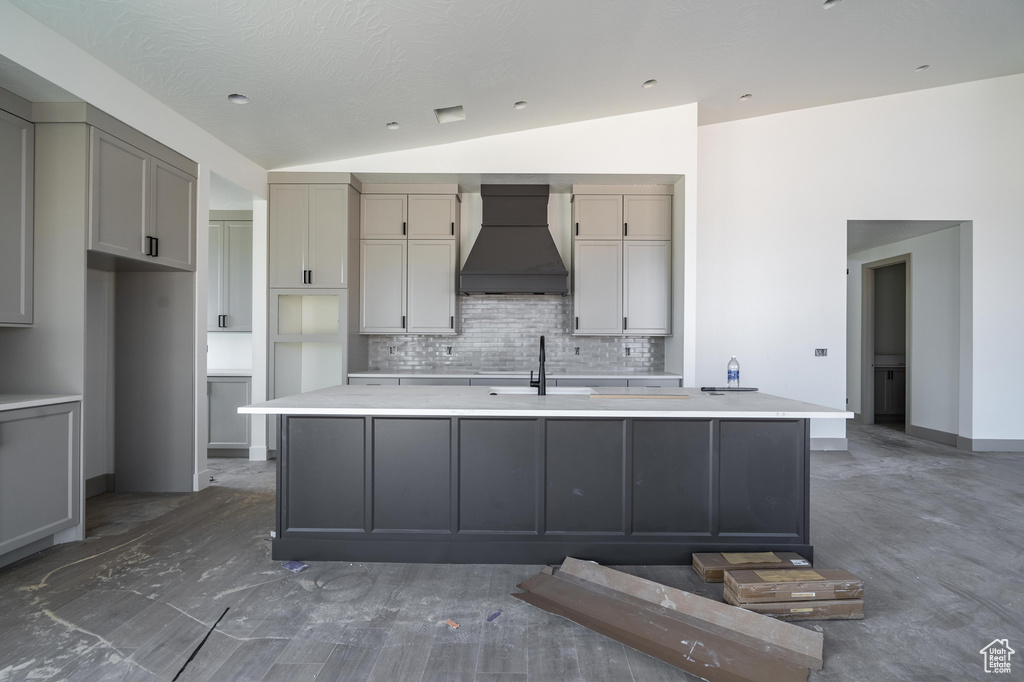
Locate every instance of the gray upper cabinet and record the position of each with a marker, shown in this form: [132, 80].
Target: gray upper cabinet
[433, 216]
[431, 293]
[118, 198]
[141, 207]
[647, 280]
[172, 216]
[16, 225]
[384, 216]
[647, 216]
[597, 287]
[622, 283]
[409, 260]
[597, 216]
[382, 294]
[308, 236]
[229, 294]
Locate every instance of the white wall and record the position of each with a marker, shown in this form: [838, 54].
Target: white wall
[934, 344]
[663, 141]
[776, 192]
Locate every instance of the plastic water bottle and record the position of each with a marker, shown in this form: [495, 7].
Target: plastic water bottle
[734, 373]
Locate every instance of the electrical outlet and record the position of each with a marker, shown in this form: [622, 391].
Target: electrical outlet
[577, 351]
[627, 351]
[447, 350]
[391, 350]
[820, 352]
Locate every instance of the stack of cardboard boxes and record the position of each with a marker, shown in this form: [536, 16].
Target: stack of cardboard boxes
[782, 585]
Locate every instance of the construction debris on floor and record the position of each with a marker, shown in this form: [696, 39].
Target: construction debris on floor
[712, 640]
[711, 566]
[820, 594]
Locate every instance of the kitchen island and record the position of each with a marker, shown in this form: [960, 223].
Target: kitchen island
[478, 475]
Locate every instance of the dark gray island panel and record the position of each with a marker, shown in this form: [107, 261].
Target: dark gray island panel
[584, 473]
[324, 487]
[411, 475]
[535, 489]
[672, 491]
[759, 477]
[498, 475]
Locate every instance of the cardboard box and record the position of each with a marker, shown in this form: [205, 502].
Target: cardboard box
[833, 609]
[711, 566]
[770, 585]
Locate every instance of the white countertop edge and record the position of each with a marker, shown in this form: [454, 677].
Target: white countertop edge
[536, 412]
[22, 401]
[461, 374]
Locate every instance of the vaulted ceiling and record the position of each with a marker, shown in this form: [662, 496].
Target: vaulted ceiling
[325, 76]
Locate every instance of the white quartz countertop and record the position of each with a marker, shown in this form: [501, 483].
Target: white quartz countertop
[477, 401]
[501, 374]
[18, 401]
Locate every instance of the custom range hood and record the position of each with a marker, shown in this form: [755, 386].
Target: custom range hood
[514, 252]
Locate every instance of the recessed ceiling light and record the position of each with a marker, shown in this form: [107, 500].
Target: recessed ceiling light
[923, 67]
[744, 98]
[521, 104]
[647, 85]
[393, 125]
[450, 114]
[831, 3]
[236, 98]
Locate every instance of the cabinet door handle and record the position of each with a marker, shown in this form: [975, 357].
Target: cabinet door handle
[403, 229]
[625, 228]
[577, 322]
[577, 229]
[453, 229]
[310, 281]
[624, 325]
[452, 322]
[156, 247]
[403, 321]
[149, 246]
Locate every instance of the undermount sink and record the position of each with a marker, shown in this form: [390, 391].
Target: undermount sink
[551, 390]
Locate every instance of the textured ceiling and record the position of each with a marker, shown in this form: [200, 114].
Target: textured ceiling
[862, 235]
[324, 76]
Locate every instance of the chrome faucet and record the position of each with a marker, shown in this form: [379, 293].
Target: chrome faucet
[540, 383]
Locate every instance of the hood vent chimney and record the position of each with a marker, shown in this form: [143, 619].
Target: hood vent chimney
[514, 252]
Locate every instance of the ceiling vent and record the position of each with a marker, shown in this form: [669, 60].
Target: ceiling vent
[450, 114]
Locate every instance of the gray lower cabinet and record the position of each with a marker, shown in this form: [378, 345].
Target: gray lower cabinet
[229, 291]
[890, 393]
[228, 430]
[591, 382]
[655, 383]
[40, 476]
[534, 490]
[16, 226]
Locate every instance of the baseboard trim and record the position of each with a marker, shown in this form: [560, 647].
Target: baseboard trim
[858, 418]
[201, 481]
[97, 485]
[28, 550]
[933, 435]
[829, 444]
[990, 444]
[258, 453]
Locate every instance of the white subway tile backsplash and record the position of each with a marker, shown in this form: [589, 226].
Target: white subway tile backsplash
[501, 333]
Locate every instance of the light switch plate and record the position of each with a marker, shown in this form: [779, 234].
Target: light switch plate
[820, 352]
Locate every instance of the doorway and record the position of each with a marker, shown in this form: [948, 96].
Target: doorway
[886, 341]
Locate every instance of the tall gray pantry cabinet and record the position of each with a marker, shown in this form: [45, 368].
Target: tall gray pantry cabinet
[114, 262]
[313, 260]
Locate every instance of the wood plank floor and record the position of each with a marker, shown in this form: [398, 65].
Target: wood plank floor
[936, 533]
